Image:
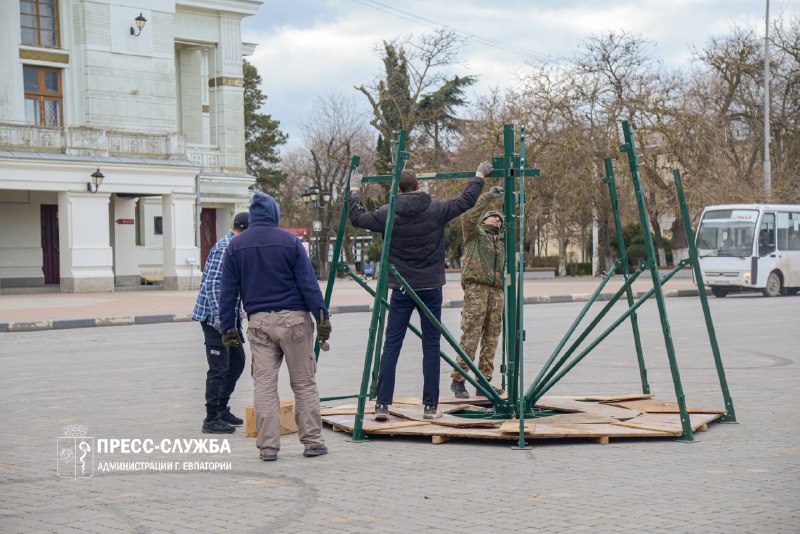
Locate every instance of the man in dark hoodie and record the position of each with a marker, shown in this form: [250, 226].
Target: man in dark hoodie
[417, 251]
[271, 271]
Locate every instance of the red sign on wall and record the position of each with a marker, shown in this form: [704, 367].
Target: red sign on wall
[124, 221]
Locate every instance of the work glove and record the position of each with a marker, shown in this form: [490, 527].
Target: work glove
[484, 169]
[324, 330]
[496, 191]
[231, 338]
[216, 325]
[355, 181]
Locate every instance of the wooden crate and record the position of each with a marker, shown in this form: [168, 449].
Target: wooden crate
[288, 424]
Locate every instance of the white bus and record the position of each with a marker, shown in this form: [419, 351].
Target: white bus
[752, 247]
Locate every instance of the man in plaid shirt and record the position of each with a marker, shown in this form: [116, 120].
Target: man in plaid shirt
[225, 364]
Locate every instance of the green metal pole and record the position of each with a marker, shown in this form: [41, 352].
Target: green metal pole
[623, 256]
[510, 237]
[402, 156]
[417, 333]
[630, 149]
[610, 304]
[570, 331]
[542, 390]
[376, 362]
[521, 292]
[491, 394]
[730, 417]
[337, 248]
[385, 178]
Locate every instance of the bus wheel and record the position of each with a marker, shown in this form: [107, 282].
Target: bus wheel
[773, 287]
[719, 292]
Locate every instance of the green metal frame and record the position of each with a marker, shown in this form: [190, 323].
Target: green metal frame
[512, 167]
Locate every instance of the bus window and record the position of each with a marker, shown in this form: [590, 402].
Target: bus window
[788, 231]
[727, 233]
[766, 235]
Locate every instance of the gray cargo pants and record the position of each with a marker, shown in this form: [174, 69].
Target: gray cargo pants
[272, 336]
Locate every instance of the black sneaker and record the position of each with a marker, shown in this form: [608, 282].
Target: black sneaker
[231, 419]
[268, 456]
[459, 390]
[381, 412]
[431, 412]
[217, 426]
[315, 450]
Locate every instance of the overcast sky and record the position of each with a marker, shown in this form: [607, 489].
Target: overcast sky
[311, 48]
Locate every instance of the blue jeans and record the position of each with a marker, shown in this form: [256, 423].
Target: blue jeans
[400, 308]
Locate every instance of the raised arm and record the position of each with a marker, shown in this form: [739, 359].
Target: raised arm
[361, 218]
[463, 202]
[471, 220]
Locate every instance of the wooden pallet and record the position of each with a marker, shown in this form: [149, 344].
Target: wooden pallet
[598, 420]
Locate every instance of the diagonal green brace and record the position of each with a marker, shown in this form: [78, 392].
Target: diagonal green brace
[730, 416]
[630, 149]
[623, 259]
[488, 390]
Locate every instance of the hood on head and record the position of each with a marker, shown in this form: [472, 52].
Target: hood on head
[493, 212]
[264, 207]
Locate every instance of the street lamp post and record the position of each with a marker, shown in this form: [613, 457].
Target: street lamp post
[320, 199]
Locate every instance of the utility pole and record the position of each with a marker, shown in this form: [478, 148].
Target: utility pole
[767, 164]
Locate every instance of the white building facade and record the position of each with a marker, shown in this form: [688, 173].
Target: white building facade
[158, 111]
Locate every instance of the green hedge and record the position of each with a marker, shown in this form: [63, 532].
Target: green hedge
[579, 269]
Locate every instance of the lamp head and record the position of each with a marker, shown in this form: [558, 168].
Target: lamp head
[97, 179]
[140, 22]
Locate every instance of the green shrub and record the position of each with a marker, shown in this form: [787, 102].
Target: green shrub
[579, 269]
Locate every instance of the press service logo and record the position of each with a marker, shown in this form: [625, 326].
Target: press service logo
[75, 453]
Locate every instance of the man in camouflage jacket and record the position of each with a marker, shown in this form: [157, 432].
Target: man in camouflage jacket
[482, 270]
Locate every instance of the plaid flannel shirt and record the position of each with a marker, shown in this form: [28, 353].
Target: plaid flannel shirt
[206, 308]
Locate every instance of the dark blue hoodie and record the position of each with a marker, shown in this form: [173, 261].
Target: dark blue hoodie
[269, 267]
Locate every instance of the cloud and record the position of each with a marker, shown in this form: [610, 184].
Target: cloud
[308, 48]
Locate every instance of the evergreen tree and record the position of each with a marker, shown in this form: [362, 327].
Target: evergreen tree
[416, 97]
[262, 135]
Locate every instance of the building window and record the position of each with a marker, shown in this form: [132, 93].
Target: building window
[158, 222]
[39, 22]
[42, 96]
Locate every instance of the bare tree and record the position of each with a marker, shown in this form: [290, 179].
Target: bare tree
[336, 133]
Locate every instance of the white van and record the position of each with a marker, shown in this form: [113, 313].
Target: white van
[745, 247]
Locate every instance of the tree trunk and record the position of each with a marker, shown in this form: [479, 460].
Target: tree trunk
[562, 251]
[680, 246]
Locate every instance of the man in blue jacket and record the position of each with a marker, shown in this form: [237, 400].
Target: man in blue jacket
[271, 271]
[417, 252]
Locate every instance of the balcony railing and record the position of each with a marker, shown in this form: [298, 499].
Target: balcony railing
[31, 138]
[85, 140]
[206, 156]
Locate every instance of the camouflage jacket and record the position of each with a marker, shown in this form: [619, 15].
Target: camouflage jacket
[484, 258]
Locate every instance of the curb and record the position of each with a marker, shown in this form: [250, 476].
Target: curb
[64, 324]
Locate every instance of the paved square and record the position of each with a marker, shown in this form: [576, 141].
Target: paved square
[146, 382]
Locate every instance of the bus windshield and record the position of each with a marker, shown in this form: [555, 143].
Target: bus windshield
[727, 233]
